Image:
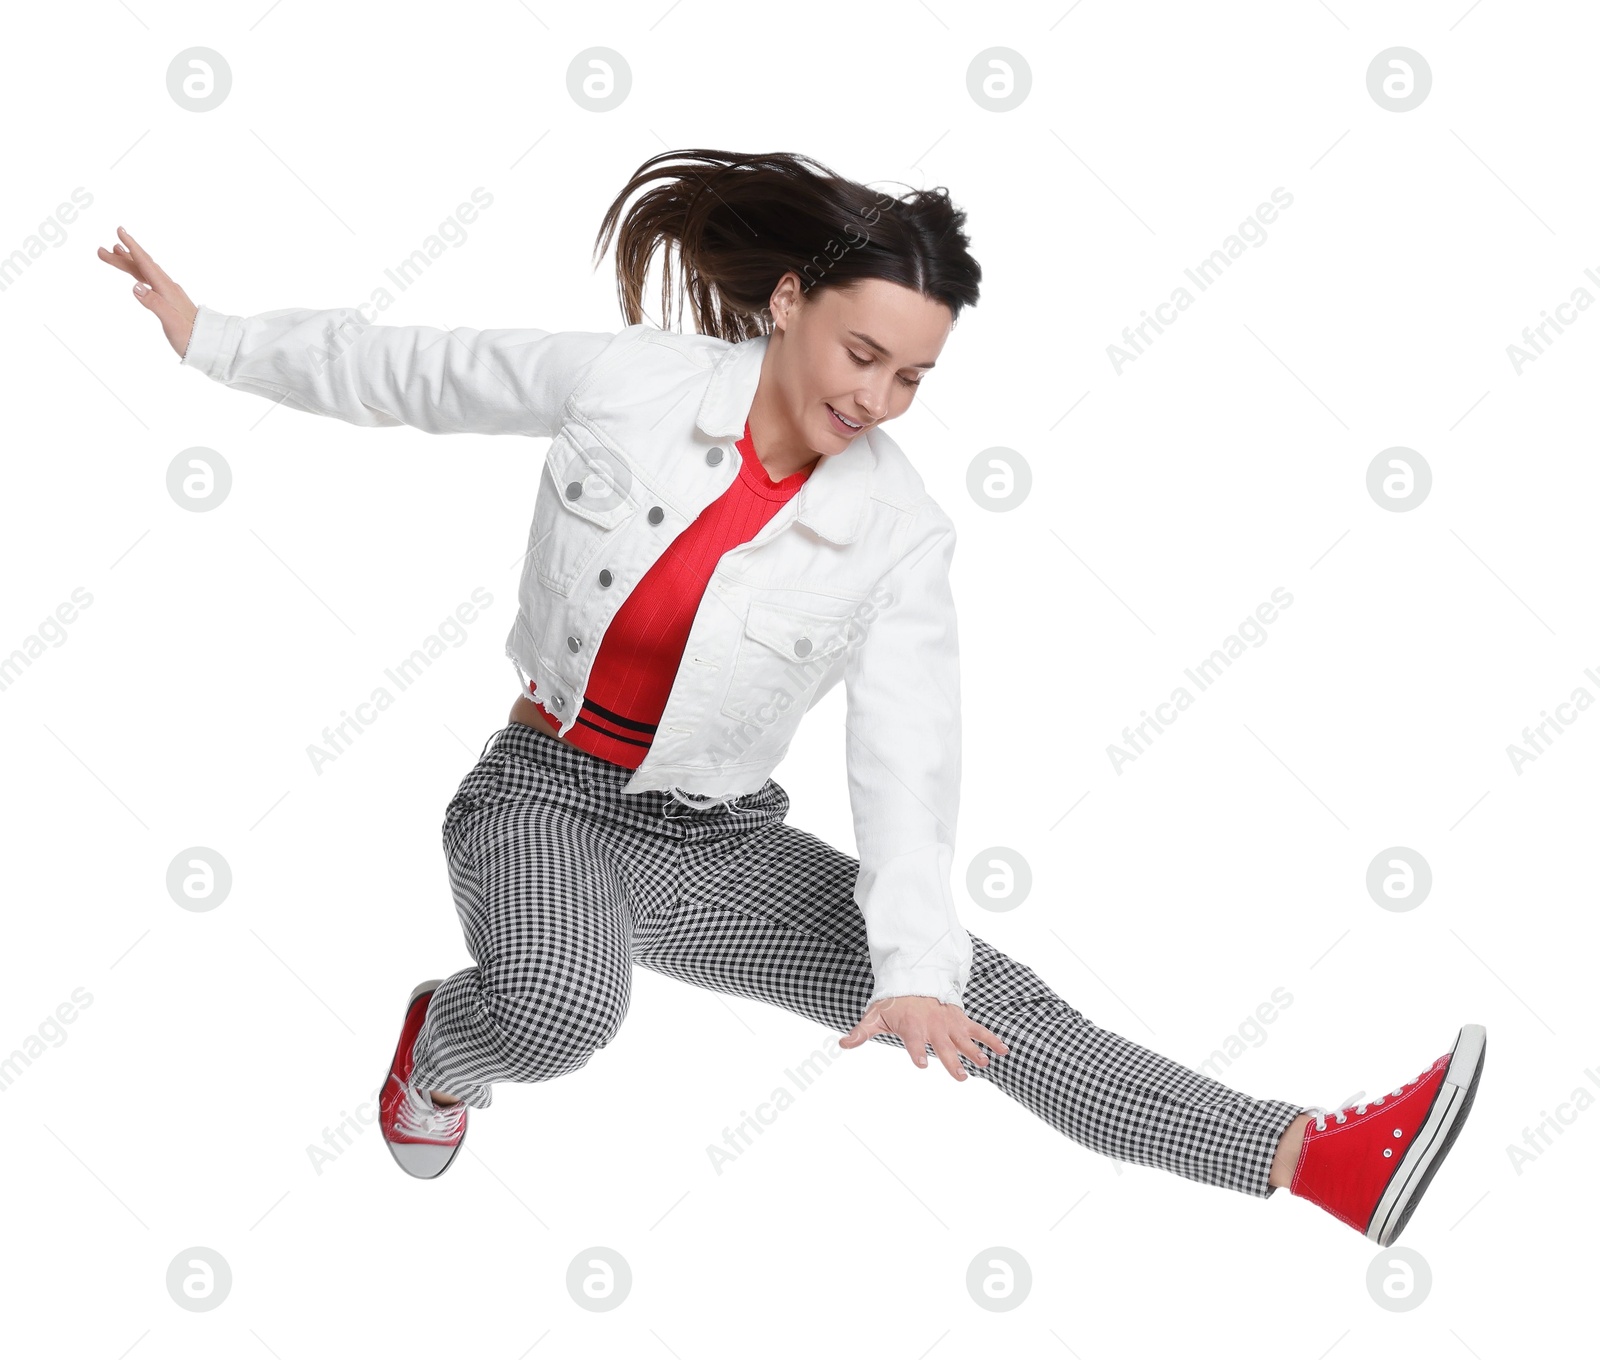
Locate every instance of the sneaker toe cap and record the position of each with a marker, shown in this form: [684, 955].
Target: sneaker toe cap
[423, 1160]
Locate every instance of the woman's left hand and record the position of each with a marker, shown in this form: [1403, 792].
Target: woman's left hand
[923, 1020]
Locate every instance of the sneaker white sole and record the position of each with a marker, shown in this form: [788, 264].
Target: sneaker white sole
[425, 1161]
[1427, 1151]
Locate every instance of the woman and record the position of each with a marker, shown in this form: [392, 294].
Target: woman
[723, 532]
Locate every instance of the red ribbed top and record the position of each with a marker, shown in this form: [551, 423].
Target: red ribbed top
[643, 646]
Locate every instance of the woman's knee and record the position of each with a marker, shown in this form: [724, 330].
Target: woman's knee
[554, 1030]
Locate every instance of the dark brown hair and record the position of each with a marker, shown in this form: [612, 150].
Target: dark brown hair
[740, 222]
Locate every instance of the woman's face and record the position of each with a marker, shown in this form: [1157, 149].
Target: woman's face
[850, 354]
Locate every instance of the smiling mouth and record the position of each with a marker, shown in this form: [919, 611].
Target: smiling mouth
[848, 424]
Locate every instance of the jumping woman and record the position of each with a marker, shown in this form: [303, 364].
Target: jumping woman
[724, 531]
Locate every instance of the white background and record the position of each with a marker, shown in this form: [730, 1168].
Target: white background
[1169, 900]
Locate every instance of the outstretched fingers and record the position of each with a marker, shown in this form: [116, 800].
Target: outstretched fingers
[154, 290]
[148, 270]
[987, 1036]
[961, 1041]
[921, 1023]
[119, 257]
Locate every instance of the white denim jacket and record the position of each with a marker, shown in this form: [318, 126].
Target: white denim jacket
[848, 581]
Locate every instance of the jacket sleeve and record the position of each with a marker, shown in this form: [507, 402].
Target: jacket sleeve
[336, 363]
[903, 761]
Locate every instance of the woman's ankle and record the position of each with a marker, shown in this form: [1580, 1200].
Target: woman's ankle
[1288, 1153]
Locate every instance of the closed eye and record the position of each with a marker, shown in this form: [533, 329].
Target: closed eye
[864, 363]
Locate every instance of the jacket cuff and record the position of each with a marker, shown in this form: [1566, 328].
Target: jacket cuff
[939, 983]
[206, 340]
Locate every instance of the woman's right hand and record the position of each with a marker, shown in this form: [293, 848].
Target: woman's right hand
[154, 289]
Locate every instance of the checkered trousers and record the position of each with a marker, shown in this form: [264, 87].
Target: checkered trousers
[562, 883]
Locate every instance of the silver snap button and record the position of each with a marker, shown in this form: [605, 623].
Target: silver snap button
[605, 578]
[656, 515]
[574, 490]
[572, 644]
[713, 456]
[803, 647]
[560, 702]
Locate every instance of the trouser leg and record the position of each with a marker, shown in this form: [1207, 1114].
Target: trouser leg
[548, 923]
[765, 910]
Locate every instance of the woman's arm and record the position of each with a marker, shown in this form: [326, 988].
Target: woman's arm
[903, 752]
[334, 362]
[903, 758]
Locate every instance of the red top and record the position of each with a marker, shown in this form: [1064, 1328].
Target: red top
[643, 645]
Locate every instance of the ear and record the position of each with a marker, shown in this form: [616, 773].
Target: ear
[786, 297]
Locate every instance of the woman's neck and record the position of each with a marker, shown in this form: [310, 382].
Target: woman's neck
[778, 443]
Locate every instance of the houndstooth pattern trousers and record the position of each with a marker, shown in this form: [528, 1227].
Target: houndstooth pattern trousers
[563, 882]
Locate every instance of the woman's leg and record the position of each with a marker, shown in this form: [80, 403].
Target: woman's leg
[548, 920]
[767, 911]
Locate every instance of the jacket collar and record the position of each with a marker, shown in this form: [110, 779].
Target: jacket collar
[833, 499]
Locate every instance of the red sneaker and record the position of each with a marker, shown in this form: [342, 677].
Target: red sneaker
[1370, 1171]
[423, 1137]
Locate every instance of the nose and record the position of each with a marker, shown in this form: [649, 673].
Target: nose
[874, 404]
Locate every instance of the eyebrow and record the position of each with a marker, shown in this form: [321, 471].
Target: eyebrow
[870, 343]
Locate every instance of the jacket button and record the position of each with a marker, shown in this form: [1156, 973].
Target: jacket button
[560, 701]
[605, 578]
[803, 647]
[574, 490]
[713, 456]
[573, 644]
[656, 515]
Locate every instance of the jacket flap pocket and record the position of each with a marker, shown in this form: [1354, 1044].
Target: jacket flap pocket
[795, 633]
[590, 481]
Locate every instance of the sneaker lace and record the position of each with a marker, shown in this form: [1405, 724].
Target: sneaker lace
[420, 1117]
[1322, 1112]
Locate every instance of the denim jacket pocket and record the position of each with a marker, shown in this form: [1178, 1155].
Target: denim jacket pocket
[585, 494]
[781, 657]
